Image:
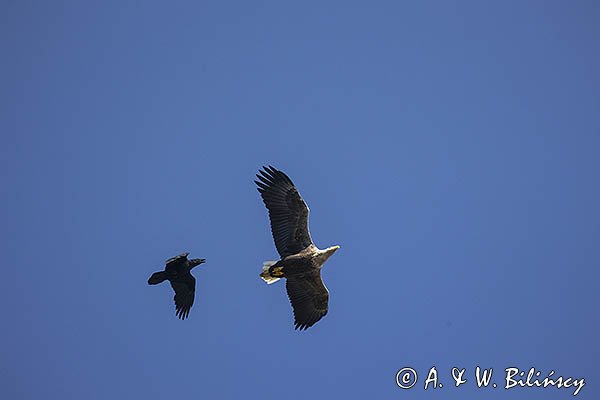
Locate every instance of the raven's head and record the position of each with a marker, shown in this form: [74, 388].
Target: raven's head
[196, 261]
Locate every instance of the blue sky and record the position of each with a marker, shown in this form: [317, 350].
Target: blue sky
[450, 148]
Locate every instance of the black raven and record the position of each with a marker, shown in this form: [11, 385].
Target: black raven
[177, 271]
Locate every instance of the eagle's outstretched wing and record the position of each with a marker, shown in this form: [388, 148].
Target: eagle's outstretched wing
[287, 211]
[184, 288]
[309, 298]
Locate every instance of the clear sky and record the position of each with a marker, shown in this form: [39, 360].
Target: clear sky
[450, 148]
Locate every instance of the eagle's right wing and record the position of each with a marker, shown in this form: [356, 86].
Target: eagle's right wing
[287, 211]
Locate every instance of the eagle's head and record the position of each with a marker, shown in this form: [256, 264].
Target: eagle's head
[323, 255]
[330, 250]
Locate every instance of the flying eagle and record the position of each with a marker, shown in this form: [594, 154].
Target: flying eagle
[177, 272]
[301, 260]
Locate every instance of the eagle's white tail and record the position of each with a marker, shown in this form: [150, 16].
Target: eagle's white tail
[265, 272]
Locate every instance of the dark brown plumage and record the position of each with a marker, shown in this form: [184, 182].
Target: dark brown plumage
[301, 260]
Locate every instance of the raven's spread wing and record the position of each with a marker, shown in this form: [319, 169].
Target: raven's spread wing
[309, 298]
[176, 261]
[184, 288]
[287, 210]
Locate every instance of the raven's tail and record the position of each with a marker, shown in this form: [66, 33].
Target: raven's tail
[265, 274]
[157, 278]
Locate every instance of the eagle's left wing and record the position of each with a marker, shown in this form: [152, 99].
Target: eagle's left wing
[309, 298]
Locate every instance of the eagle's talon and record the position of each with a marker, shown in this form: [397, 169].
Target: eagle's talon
[277, 272]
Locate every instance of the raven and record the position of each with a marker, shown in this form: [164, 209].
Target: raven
[177, 272]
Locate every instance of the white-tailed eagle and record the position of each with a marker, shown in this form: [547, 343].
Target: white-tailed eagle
[301, 260]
